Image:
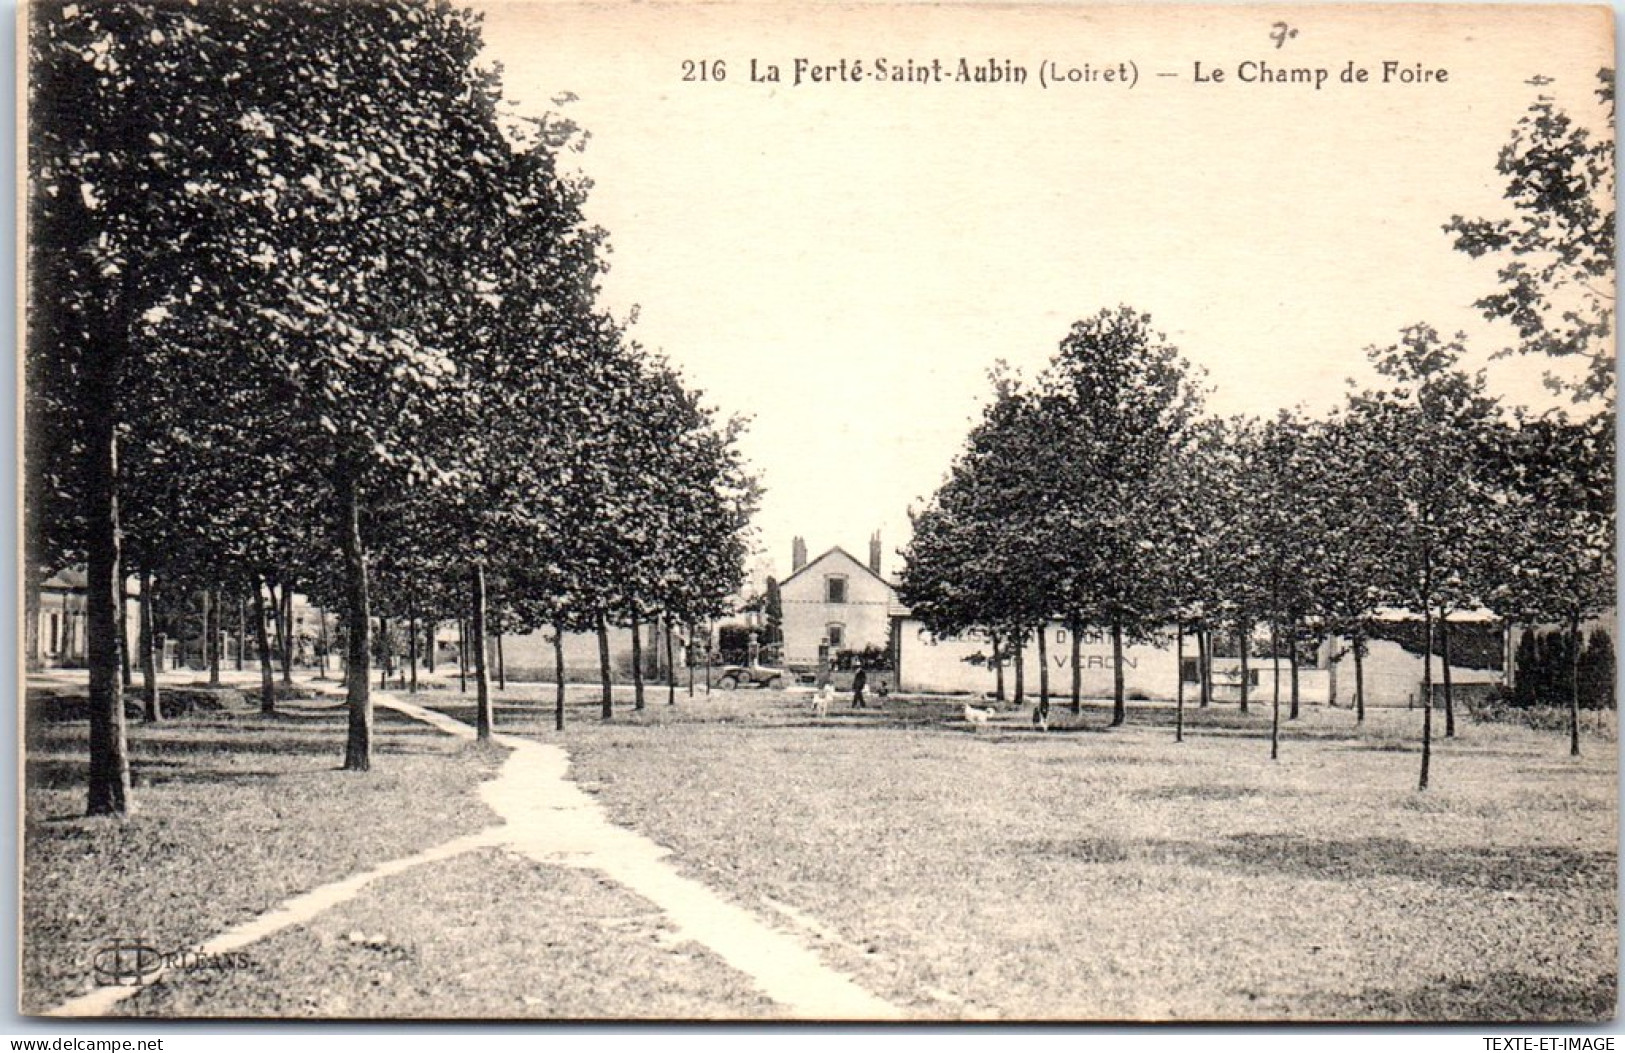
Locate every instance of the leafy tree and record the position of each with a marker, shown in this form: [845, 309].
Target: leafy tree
[1439, 424]
[1557, 284]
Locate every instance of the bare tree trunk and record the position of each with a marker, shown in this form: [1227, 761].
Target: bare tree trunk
[558, 674]
[1119, 703]
[1043, 668]
[1359, 677]
[1444, 669]
[321, 628]
[412, 643]
[710, 635]
[151, 704]
[462, 654]
[671, 666]
[1242, 633]
[1021, 665]
[997, 643]
[1427, 693]
[1292, 662]
[287, 633]
[1179, 677]
[1574, 685]
[125, 677]
[1204, 667]
[267, 677]
[242, 632]
[688, 656]
[482, 680]
[502, 666]
[212, 605]
[607, 708]
[1075, 628]
[1275, 707]
[358, 741]
[1275, 660]
[431, 643]
[637, 659]
[384, 653]
[109, 781]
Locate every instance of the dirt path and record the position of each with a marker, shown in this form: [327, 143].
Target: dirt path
[547, 818]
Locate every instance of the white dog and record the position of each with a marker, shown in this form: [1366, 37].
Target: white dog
[821, 701]
[977, 718]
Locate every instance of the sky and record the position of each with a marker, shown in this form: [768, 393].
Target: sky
[843, 261]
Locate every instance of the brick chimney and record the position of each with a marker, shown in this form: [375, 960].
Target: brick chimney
[874, 553]
[798, 554]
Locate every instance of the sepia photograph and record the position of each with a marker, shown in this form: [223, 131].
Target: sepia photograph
[549, 511]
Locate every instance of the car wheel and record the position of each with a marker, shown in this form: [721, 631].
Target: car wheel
[727, 683]
[775, 684]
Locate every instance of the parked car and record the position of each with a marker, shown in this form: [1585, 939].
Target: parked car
[732, 676]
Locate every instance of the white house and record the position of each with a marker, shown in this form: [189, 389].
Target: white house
[835, 603]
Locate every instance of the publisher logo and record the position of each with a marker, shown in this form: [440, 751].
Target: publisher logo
[127, 963]
[136, 962]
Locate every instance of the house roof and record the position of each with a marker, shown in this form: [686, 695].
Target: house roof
[825, 555]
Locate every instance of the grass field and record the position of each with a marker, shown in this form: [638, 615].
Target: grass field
[1083, 874]
[1118, 874]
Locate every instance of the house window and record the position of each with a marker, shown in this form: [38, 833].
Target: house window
[1190, 671]
[836, 635]
[834, 589]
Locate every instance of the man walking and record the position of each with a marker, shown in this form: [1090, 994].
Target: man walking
[859, 679]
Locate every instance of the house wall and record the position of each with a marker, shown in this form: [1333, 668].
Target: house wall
[529, 656]
[1393, 677]
[864, 617]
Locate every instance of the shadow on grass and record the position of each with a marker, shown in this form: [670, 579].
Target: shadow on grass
[1523, 868]
[1498, 997]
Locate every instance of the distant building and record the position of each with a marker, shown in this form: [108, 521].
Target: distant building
[835, 603]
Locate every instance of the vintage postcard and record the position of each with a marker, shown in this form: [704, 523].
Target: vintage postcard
[842, 512]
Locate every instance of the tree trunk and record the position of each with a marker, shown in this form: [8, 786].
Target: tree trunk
[558, 674]
[212, 605]
[482, 679]
[710, 634]
[384, 655]
[32, 583]
[688, 656]
[125, 676]
[412, 644]
[1204, 668]
[1043, 668]
[1021, 666]
[276, 621]
[502, 666]
[1427, 693]
[1444, 670]
[1292, 663]
[998, 667]
[1574, 685]
[1359, 677]
[1119, 703]
[358, 686]
[671, 666]
[242, 633]
[287, 633]
[1275, 662]
[1242, 633]
[321, 627]
[431, 643]
[263, 641]
[637, 659]
[1179, 676]
[462, 654]
[607, 707]
[109, 777]
[1075, 628]
[151, 704]
[1275, 706]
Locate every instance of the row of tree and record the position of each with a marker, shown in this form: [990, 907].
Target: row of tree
[1098, 494]
[310, 309]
